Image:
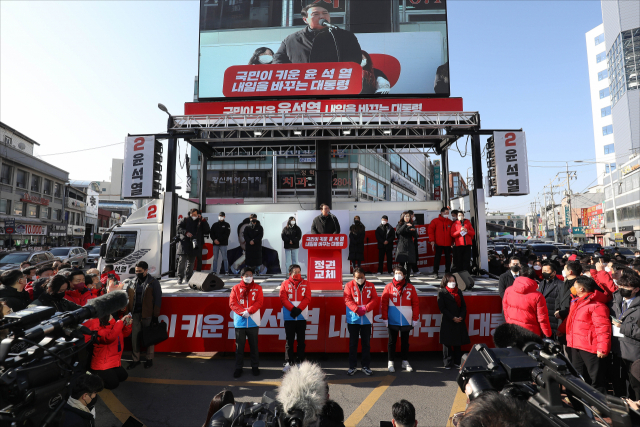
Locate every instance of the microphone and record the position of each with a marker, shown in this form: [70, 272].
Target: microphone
[509, 335]
[326, 23]
[304, 389]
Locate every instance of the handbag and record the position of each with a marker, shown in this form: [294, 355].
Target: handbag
[155, 333]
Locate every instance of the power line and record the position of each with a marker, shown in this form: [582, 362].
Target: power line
[76, 151]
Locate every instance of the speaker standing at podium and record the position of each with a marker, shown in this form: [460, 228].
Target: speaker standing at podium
[295, 295]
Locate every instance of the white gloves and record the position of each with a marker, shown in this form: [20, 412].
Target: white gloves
[416, 323]
[246, 314]
[383, 84]
[386, 323]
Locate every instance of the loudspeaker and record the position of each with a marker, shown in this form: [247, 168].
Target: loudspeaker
[205, 282]
[465, 282]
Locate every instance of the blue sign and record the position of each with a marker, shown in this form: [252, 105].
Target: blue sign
[307, 159]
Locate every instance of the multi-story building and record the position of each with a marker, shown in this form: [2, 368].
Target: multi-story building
[622, 204]
[111, 193]
[600, 102]
[572, 221]
[93, 191]
[506, 218]
[31, 194]
[457, 185]
[74, 218]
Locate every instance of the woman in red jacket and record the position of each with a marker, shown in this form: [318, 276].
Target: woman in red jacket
[462, 232]
[107, 351]
[589, 331]
[524, 306]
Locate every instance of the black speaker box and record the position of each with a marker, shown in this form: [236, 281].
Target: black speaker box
[465, 282]
[205, 282]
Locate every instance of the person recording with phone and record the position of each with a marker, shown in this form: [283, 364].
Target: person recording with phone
[107, 350]
[107, 273]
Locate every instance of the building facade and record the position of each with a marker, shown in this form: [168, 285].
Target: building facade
[510, 219]
[457, 185]
[622, 204]
[92, 190]
[111, 194]
[31, 194]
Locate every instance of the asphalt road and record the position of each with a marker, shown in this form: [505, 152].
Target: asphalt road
[176, 392]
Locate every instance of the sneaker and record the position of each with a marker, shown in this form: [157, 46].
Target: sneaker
[132, 365]
[406, 366]
[351, 371]
[237, 373]
[390, 367]
[367, 371]
[286, 367]
[148, 364]
[255, 371]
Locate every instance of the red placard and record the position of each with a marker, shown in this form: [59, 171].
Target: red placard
[324, 259]
[322, 78]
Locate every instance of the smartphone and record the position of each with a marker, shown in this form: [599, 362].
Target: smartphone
[614, 319]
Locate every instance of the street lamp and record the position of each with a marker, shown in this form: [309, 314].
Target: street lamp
[163, 108]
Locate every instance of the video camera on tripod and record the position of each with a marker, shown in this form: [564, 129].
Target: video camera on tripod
[267, 413]
[39, 359]
[534, 370]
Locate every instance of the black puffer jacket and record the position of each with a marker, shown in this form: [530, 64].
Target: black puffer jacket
[253, 253]
[552, 290]
[13, 298]
[72, 417]
[385, 233]
[325, 224]
[356, 242]
[220, 231]
[291, 234]
[185, 244]
[406, 250]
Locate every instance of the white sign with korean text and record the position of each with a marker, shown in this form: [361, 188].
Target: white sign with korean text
[512, 165]
[137, 172]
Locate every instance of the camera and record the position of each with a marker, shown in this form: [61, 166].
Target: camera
[536, 374]
[267, 413]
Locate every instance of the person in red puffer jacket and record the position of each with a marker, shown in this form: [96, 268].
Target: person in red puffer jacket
[441, 241]
[588, 330]
[462, 233]
[78, 293]
[295, 295]
[107, 351]
[524, 306]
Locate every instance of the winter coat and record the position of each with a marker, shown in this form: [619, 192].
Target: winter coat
[79, 297]
[220, 231]
[551, 291]
[605, 284]
[290, 293]
[506, 280]
[325, 224]
[406, 250]
[356, 296]
[588, 326]
[524, 306]
[452, 333]
[253, 252]
[291, 234]
[385, 233]
[565, 298]
[356, 243]
[246, 297]
[107, 350]
[151, 297]
[73, 417]
[184, 245]
[627, 347]
[104, 277]
[440, 231]
[61, 306]
[13, 298]
[296, 48]
[400, 306]
[458, 238]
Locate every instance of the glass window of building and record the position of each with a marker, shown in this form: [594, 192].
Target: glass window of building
[413, 174]
[6, 174]
[35, 183]
[609, 148]
[18, 209]
[604, 93]
[394, 159]
[404, 166]
[32, 211]
[601, 57]
[5, 206]
[57, 214]
[72, 217]
[624, 63]
[606, 111]
[607, 130]
[56, 190]
[45, 212]
[239, 184]
[599, 39]
[613, 167]
[46, 189]
[603, 75]
[21, 179]
[607, 169]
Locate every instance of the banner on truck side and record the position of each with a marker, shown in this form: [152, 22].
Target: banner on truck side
[512, 165]
[137, 171]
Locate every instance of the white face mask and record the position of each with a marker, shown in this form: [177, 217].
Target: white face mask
[363, 63]
[293, 223]
[383, 222]
[413, 218]
[398, 277]
[615, 282]
[220, 218]
[607, 269]
[194, 217]
[247, 279]
[359, 281]
[530, 265]
[564, 274]
[460, 218]
[451, 285]
[265, 59]
[537, 267]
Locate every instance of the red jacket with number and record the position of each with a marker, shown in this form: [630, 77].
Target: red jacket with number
[458, 239]
[588, 326]
[524, 306]
[440, 231]
[353, 298]
[245, 297]
[79, 297]
[290, 292]
[409, 297]
[107, 350]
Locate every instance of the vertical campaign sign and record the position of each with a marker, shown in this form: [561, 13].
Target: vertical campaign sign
[137, 171]
[512, 165]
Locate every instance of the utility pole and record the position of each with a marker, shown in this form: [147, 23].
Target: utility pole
[569, 195]
[553, 210]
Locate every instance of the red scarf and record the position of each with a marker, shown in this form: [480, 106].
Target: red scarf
[245, 287]
[397, 284]
[456, 294]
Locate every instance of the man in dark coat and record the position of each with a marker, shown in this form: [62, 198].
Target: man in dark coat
[385, 235]
[202, 233]
[220, 232]
[326, 222]
[79, 410]
[253, 235]
[572, 270]
[551, 288]
[237, 255]
[12, 290]
[507, 278]
[189, 229]
[405, 251]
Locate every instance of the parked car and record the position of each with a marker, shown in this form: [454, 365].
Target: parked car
[12, 260]
[93, 256]
[71, 254]
[547, 250]
[626, 252]
[591, 248]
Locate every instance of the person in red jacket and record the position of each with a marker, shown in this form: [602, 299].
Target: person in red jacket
[401, 313]
[106, 272]
[246, 301]
[107, 351]
[525, 306]
[588, 330]
[295, 295]
[78, 292]
[462, 233]
[361, 299]
[440, 239]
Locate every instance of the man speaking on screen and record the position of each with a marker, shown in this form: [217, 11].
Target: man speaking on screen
[319, 41]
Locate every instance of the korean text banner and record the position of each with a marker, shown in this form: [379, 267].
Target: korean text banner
[512, 165]
[275, 48]
[137, 171]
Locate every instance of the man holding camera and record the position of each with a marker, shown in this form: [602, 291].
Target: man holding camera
[295, 295]
[191, 233]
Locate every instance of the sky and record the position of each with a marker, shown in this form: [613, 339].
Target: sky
[76, 75]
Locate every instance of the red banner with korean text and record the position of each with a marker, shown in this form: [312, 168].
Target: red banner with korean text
[324, 259]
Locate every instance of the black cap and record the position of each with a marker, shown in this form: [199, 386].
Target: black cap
[385, 217]
[253, 216]
[221, 214]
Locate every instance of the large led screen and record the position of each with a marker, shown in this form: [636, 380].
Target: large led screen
[315, 48]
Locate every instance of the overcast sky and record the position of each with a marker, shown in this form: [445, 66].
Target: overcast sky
[78, 75]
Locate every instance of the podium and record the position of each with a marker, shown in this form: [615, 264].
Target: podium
[324, 260]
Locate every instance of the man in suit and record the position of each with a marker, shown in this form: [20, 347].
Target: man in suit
[507, 278]
[551, 288]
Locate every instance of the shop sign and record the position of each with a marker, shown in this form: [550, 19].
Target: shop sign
[34, 199]
[628, 169]
[27, 229]
[436, 173]
[401, 182]
[436, 193]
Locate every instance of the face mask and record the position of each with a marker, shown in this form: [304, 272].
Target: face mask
[530, 265]
[625, 293]
[247, 279]
[293, 223]
[460, 218]
[92, 403]
[515, 268]
[356, 221]
[265, 59]
[398, 277]
[220, 218]
[140, 276]
[564, 274]
[413, 218]
[363, 63]
[33, 277]
[607, 269]
[451, 285]
[296, 277]
[79, 286]
[359, 281]
[637, 256]
[253, 221]
[573, 290]
[194, 217]
[547, 276]
[383, 222]
[58, 296]
[537, 267]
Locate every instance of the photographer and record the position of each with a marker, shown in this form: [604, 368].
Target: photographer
[246, 301]
[12, 290]
[79, 411]
[54, 295]
[107, 351]
[404, 414]
[219, 401]
[295, 295]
